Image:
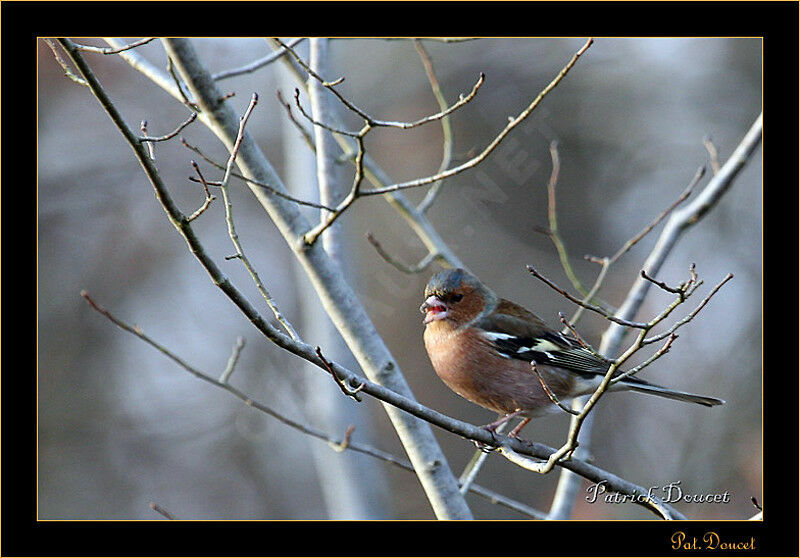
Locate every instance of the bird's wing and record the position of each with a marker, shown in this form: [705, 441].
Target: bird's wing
[516, 333]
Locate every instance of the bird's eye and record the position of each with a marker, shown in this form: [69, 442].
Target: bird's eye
[456, 298]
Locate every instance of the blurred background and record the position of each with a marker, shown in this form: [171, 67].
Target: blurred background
[121, 427]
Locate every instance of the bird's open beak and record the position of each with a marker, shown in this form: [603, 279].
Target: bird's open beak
[434, 309]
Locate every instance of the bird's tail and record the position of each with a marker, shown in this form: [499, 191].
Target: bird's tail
[642, 386]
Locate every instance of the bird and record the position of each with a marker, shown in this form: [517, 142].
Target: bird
[492, 352]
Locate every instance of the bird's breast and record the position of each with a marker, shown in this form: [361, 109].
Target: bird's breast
[467, 364]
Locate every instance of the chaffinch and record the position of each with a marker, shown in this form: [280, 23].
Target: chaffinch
[482, 347]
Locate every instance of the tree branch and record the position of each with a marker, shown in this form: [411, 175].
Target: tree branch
[513, 446]
[679, 222]
[101, 50]
[447, 129]
[374, 122]
[343, 444]
[336, 295]
[256, 65]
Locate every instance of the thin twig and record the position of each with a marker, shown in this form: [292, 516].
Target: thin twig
[148, 69]
[447, 129]
[605, 264]
[161, 511]
[655, 356]
[348, 391]
[232, 360]
[419, 267]
[179, 86]
[418, 221]
[257, 64]
[513, 123]
[571, 328]
[663, 286]
[550, 393]
[685, 194]
[312, 235]
[552, 217]
[305, 133]
[579, 302]
[374, 122]
[345, 443]
[108, 50]
[172, 134]
[201, 209]
[252, 181]
[232, 227]
[713, 154]
[611, 377]
[319, 123]
[691, 315]
[67, 71]
[209, 197]
[202, 179]
[150, 147]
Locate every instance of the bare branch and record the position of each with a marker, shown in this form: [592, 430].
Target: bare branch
[685, 194]
[344, 443]
[655, 356]
[447, 130]
[179, 86]
[252, 181]
[256, 65]
[552, 216]
[691, 315]
[549, 391]
[348, 391]
[336, 295]
[468, 431]
[513, 123]
[592, 294]
[67, 71]
[663, 286]
[579, 302]
[305, 133]
[232, 227]
[172, 134]
[209, 197]
[161, 511]
[713, 154]
[571, 328]
[374, 122]
[317, 122]
[417, 220]
[419, 267]
[682, 219]
[107, 50]
[232, 360]
[164, 80]
[312, 235]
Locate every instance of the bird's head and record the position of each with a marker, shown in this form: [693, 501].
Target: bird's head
[455, 295]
